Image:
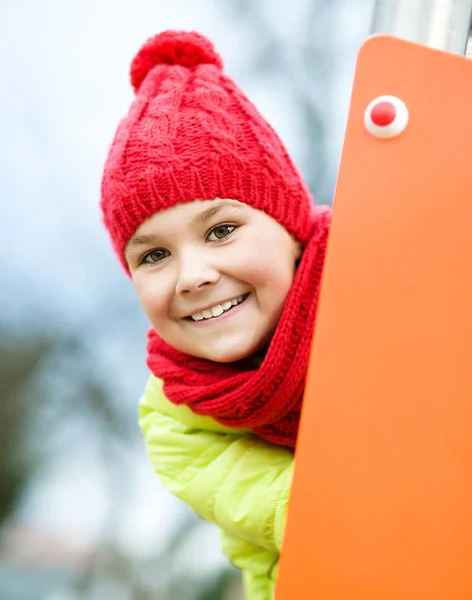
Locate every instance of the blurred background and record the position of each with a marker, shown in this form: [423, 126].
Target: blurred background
[82, 515]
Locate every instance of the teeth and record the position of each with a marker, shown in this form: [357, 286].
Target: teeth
[217, 310]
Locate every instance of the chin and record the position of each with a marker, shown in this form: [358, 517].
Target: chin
[227, 357]
[233, 353]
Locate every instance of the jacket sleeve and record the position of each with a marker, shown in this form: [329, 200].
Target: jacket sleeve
[227, 476]
[257, 587]
[259, 566]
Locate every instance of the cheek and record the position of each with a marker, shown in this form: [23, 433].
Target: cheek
[269, 271]
[152, 296]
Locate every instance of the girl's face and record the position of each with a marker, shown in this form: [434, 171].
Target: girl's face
[213, 276]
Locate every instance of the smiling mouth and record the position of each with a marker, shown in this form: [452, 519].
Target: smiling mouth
[216, 311]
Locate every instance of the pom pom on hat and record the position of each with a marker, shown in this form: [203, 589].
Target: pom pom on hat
[184, 48]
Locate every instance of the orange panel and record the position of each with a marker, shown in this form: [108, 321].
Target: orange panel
[381, 505]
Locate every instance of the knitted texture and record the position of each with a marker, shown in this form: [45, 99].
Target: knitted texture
[266, 399]
[191, 134]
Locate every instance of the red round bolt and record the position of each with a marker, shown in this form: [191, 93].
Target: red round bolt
[383, 113]
[386, 117]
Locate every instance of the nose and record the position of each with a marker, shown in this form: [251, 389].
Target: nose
[195, 272]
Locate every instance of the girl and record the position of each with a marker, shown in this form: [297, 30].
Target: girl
[216, 228]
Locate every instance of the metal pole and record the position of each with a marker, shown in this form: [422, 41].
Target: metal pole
[441, 24]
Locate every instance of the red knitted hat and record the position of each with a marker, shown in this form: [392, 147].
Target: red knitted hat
[191, 134]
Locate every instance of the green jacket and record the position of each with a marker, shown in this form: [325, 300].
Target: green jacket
[229, 477]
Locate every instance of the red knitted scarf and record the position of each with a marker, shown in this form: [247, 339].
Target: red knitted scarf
[268, 398]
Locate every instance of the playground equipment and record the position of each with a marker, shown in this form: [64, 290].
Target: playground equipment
[381, 504]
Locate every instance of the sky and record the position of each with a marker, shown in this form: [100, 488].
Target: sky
[65, 86]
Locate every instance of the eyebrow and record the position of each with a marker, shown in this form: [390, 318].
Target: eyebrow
[211, 212]
[203, 217]
[143, 240]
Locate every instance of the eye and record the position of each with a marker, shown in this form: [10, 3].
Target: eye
[154, 256]
[386, 117]
[221, 232]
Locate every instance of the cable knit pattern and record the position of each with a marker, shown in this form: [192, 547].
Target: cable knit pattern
[191, 134]
[266, 399]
